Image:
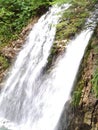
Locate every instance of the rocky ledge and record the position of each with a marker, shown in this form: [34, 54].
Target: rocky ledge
[84, 114]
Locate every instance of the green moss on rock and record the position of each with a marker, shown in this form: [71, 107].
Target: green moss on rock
[4, 63]
[95, 70]
[76, 96]
[71, 23]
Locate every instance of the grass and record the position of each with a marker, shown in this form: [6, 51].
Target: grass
[4, 63]
[95, 83]
[76, 96]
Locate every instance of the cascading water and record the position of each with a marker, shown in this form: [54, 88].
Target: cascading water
[34, 100]
[18, 97]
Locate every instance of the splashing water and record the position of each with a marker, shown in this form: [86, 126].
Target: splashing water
[17, 98]
[33, 100]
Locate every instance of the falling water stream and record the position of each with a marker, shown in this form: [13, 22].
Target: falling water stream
[31, 99]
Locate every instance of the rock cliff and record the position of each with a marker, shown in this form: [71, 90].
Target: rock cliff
[84, 115]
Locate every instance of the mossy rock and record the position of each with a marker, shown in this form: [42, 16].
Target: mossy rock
[71, 23]
[4, 63]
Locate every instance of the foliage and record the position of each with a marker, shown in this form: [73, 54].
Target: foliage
[95, 74]
[95, 83]
[4, 64]
[60, 1]
[15, 14]
[71, 23]
[76, 96]
[95, 63]
[73, 19]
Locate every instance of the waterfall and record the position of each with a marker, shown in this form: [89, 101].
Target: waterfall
[23, 85]
[31, 99]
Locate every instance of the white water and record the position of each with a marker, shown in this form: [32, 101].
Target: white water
[17, 102]
[33, 100]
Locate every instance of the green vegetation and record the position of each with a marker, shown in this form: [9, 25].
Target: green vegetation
[73, 19]
[60, 1]
[95, 83]
[95, 72]
[76, 96]
[15, 14]
[72, 22]
[82, 79]
[4, 63]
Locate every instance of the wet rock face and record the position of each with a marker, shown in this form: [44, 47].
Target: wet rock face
[84, 118]
[84, 127]
[85, 115]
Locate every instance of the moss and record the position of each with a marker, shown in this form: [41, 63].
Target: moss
[81, 81]
[2, 45]
[72, 22]
[95, 71]
[74, 18]
[95, 83]
[4, 63]
[76, 96]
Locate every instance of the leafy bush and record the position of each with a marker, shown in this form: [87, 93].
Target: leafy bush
[15, 14]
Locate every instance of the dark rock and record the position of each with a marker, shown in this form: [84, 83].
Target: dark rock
[84, 127]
